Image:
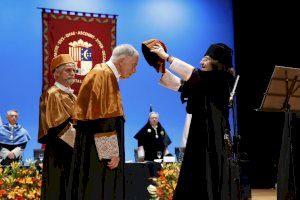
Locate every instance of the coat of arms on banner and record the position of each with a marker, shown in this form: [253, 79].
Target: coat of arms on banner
[88, 38]
[81, 52]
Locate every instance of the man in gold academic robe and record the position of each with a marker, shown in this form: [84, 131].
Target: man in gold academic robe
[56, 131]
[98, 161]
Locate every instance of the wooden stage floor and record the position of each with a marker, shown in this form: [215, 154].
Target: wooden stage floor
[263, 194]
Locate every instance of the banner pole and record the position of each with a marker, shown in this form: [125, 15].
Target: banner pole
[77, 12]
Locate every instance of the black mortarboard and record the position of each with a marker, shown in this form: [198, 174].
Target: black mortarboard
[220, 52]
[152, 58]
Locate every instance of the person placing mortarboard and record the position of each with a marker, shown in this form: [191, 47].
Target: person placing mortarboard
[153, 140]
[205, 169]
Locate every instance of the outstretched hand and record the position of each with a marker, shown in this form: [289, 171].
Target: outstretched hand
[159, 50]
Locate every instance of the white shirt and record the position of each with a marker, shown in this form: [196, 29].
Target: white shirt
[112, 66]
[64, 88]
[12, 127]
[171, 81]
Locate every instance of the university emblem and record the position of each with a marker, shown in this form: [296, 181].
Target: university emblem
[81, 52]
[88, 38]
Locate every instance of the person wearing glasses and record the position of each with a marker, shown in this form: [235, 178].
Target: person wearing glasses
[206, 92]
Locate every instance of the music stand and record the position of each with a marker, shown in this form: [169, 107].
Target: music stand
[283, 92]
[283, 95]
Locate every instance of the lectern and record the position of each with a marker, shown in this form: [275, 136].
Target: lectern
[283, 95]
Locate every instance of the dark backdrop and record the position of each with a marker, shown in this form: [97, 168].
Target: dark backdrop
[265, 35]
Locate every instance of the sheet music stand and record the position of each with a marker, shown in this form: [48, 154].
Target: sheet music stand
[283, 95]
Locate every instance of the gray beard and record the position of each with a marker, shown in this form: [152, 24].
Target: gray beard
[70, 81]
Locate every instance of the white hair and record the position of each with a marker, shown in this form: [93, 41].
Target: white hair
[10, 111]
[123, 50]
[60, 68]
[153, 113]
[57, 71]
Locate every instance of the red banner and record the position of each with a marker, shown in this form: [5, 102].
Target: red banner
[88, 37]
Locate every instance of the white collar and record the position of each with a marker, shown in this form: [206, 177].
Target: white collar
[112, 66]
[64, 88]
[154, 127]
[12, 126]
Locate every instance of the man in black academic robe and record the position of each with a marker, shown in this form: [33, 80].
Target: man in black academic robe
[152, 138]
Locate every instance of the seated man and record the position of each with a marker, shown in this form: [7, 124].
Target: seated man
[152, 140]
[13, 139]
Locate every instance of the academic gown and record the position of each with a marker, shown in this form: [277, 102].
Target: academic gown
[56, 108]
[11, 140]
[147, 138]
[98, 110]
[205, 170]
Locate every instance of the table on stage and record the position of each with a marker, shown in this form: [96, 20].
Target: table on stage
[137, 179]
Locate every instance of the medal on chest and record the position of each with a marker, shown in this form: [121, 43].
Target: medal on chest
[156, 134]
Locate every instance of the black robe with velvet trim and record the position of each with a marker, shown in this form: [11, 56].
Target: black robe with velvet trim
[205, 170]
[56, 165]
[146, 137]
[90, 178]
[98, 110]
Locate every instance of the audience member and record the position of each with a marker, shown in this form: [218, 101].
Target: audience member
[13, 139]
[153, 140]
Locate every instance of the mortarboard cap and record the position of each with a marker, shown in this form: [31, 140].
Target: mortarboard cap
[152, 58]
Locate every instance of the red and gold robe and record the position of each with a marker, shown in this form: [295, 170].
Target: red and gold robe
[98, 111]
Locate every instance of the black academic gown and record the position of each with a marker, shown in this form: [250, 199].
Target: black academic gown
[151, 142]
[98, 110]
[91, 178]
[55, 115]
[205, 171]
[56, 164]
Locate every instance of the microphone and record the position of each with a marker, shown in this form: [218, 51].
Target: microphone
[233, 89]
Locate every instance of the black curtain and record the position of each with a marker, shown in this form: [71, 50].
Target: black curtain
[265, 35]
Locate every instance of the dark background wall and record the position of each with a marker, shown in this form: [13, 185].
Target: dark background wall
[265, 35]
